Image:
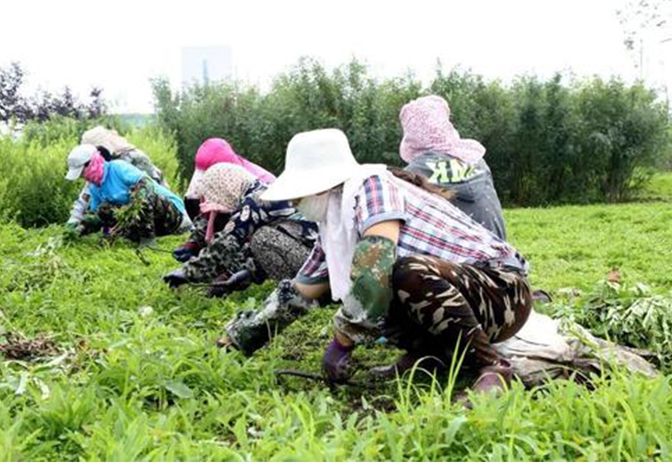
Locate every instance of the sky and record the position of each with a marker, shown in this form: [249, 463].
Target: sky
[121, 45]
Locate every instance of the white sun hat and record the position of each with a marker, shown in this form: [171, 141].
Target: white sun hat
[315, 162]
[79, 157]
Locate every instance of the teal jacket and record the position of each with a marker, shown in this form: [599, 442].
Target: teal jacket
[119, 177]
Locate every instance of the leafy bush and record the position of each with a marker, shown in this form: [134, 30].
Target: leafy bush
[33, 189]
[259, 126]
[548, 142]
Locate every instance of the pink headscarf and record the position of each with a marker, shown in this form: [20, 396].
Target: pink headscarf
[95, 169]
[216, 150]
[220, 151]
[427, 128]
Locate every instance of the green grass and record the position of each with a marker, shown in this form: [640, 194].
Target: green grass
[135, 374]
[659, 188]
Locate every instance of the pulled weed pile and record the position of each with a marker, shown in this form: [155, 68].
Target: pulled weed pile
[630, 315]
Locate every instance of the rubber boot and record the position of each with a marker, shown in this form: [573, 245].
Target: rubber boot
[494, 378]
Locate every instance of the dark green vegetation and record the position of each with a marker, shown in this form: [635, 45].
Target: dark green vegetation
[33, 190]
[548, 142]
[115, 366]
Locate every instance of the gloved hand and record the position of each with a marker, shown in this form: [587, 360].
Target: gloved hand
[73, 230]
[184, 252]
[175, 278]
[236, 282]
[336, 360]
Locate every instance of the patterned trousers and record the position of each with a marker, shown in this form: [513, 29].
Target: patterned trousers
[158, 217]
[437, 303]
[273, 252]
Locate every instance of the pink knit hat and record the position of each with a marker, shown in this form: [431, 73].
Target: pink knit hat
[427, 128]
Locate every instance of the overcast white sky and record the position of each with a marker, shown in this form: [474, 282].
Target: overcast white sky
[119, 45]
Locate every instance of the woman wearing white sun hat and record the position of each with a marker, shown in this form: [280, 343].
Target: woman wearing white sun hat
[404, 263]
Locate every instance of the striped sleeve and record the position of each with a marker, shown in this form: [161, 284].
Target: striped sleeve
[314, 270]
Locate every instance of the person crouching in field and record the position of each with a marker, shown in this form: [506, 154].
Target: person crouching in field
[124, 198]
[211, 152]
[432, 147]
[259, 240]
[404, 262]
[111, 146]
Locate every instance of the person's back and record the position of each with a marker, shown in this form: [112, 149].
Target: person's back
[472, 186]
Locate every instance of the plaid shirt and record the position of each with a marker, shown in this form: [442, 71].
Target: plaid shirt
[431, 226]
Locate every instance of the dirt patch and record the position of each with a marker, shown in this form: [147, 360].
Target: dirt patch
[18, 347]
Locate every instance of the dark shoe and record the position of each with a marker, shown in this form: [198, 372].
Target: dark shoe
[187, 250]
[405, 363]
[494, 378]
[540, 295]
[175, 278]
[223, 286]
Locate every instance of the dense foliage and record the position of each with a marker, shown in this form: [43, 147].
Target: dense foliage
[630, 315]
[548, 141]
[33, 189]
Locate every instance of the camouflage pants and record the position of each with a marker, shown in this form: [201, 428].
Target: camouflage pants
[270, 253]
[157, 215]
[436, 303]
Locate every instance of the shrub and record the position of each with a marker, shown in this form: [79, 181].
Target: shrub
[547, 141]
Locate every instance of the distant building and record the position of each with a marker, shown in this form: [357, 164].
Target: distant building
[201, 65]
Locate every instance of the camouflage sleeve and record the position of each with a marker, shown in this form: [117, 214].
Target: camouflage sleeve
[363, 311]
[252, 329]
[223, 255]
[197, 233]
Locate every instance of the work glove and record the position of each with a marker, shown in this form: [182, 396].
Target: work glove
[175, 278]
[336, 361]
[236, 282]
[184, 252]
[73, 230]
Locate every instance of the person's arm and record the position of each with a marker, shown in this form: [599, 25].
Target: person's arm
[79, 207]
[250, 330]
[360, 318]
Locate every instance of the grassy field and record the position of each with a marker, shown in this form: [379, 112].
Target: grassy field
[109, 364]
